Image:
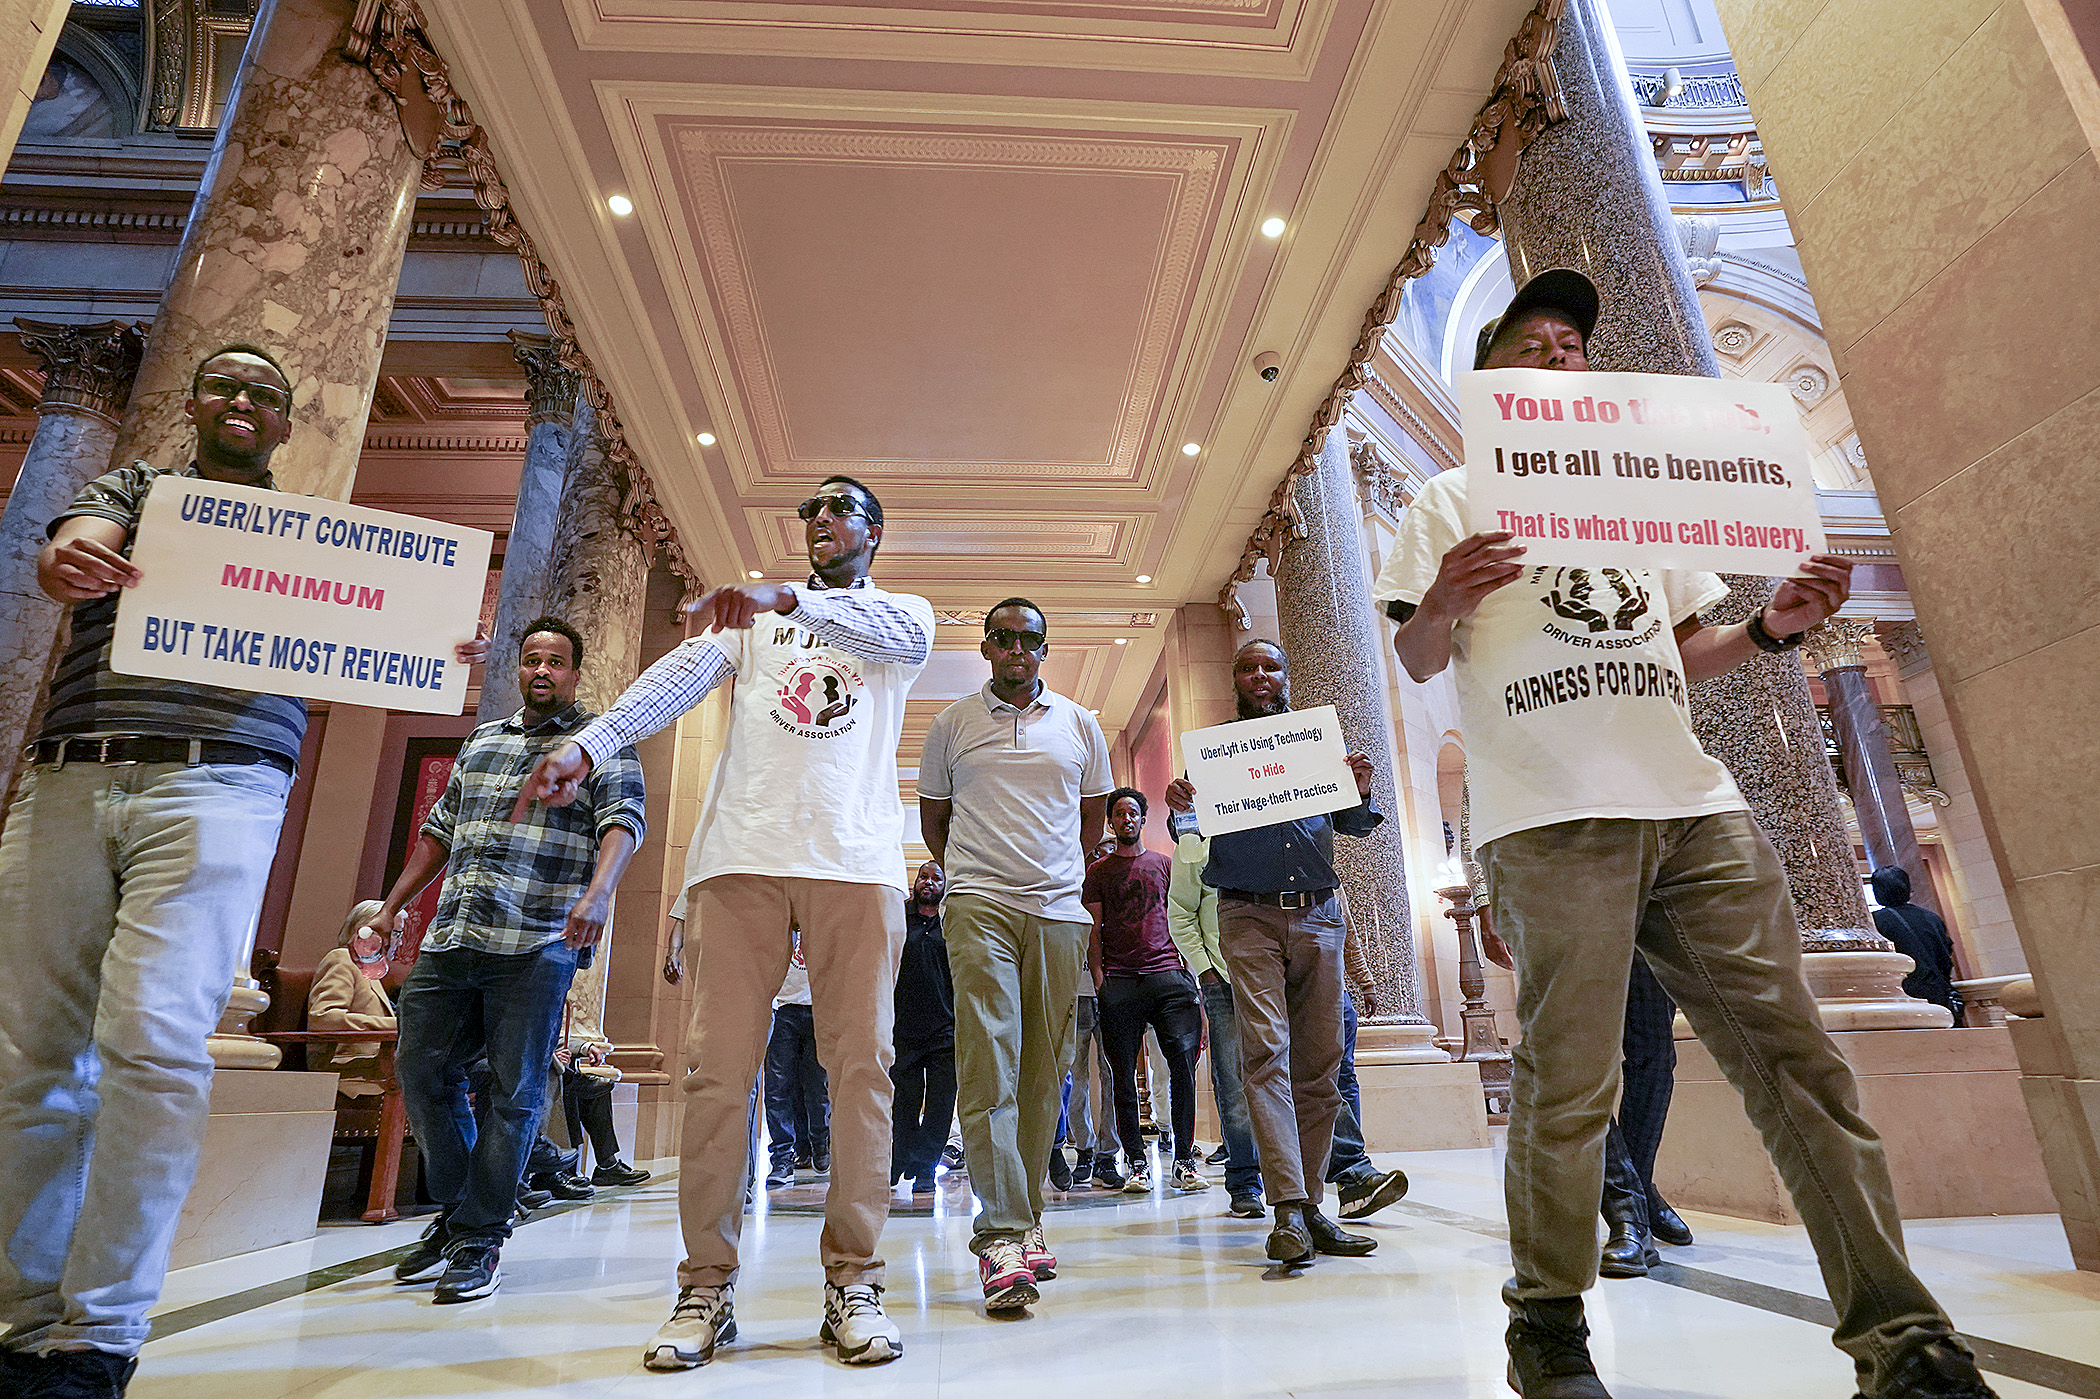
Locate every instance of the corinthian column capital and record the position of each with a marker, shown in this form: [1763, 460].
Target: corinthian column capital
[87, 368]
[550, 385]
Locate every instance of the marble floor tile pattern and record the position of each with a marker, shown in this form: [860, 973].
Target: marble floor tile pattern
[1163, 1296]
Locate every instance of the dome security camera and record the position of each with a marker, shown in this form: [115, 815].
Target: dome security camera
[1268, 364]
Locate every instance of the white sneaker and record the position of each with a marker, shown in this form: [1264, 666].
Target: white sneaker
[703, 1319]
[1140, 1182]
[855, 1322]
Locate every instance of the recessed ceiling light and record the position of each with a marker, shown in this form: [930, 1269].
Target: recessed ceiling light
[756, 573]
[1189, 449]
[1272, 228]
[620, 204]
[1122, 641]
[706, 439]
[1144, 578]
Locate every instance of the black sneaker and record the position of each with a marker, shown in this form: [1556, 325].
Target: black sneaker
[821, 1163]
[1247, 1206]
[1942, 1368]
[1549, 1351]
[83, 1374]
[618, 1172]
[1060, 1170]
[530, 1200]
[952, 1156]
[1218, 1157]
[781, 1177]
[425, 1262]
[473, 1270]
[1105, 1173]
[1369, 1196]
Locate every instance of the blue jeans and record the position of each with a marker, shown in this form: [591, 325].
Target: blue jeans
[798, 1096]
[456, 1004]
[1348, 1161]
[1242, 1166]
[127, 895]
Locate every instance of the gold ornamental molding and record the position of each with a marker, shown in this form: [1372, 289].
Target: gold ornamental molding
[392, 40]
[1525, 101]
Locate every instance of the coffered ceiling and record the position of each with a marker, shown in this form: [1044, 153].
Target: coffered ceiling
[1000, 259]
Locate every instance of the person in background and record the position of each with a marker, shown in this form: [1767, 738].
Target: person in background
[925, 1069]
[1361, 1188]
[1192, 918]
[798, 1095]
[1090, 1088]
[342, 998]
[587, 1079]
[1919, 934]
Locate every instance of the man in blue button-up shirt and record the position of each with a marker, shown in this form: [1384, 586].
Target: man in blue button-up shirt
[1280, 928]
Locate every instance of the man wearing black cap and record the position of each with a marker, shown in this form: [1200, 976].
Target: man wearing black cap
[1604, 827]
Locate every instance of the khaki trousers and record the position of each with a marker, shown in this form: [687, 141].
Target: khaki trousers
[1016, 981]
[1286, 967]
[1706, 901]
[852, 937]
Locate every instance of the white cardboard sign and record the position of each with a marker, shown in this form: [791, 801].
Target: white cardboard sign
[259, 590]
[1640, 471]
[1259, 772]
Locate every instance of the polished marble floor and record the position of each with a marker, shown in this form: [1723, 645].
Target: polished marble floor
[1156, 1296]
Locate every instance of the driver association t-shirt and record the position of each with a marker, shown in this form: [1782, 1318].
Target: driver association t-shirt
[1571, 691]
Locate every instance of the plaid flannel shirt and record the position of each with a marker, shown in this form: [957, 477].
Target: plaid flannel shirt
[509, 887]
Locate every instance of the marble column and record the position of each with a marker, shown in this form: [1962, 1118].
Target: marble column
[1331, 634]
[87, 376]
[1833, 651]
[528, 553]
[598, 581]
[1587, 196]
[294, 245]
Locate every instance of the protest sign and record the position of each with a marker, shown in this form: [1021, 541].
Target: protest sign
[259, 590]
[1640, 471]
[1258, 772]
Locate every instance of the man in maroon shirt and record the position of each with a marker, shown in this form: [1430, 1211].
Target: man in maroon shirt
[1141, 980]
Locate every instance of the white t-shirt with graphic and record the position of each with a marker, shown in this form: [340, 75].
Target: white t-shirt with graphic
[1571, 691]
[807, 784]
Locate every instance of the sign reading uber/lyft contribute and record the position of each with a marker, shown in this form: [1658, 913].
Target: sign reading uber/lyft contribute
[258, 590]
[1642, 471]
[1259, 772]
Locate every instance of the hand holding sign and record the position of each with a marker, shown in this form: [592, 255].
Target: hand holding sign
[79, 566]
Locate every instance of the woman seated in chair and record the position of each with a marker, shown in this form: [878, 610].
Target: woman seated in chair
[342, 999]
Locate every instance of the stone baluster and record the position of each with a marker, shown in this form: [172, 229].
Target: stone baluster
[1330, 632]
[1587, 196]
[88, 372]
[528, 554]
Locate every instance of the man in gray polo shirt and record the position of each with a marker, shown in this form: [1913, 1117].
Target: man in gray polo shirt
[1013, 786]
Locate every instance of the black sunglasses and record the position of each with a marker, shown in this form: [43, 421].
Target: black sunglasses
[1007, 639]
[267, 397]
[840, 506]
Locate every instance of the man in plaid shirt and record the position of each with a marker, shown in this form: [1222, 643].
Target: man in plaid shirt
[523, 906]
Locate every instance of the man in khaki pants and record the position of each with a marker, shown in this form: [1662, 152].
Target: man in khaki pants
[1013, 782]
[802, 826]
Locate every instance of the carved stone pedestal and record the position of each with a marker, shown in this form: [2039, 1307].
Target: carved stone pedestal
[231, 1046]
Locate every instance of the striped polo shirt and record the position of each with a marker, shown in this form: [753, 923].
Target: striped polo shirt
[89, 700]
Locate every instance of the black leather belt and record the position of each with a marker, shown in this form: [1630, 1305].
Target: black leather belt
[121, 752]
[1288, 898]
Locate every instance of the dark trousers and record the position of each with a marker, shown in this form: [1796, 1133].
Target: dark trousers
[587, 1104]
[1647, 1077]
[923, 1108]
[1166, 1001]
[456, 1004]
[1348, 1161]
[1242, 1162]
[798, 1099]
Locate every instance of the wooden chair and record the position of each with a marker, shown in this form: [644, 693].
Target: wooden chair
[384, 1126]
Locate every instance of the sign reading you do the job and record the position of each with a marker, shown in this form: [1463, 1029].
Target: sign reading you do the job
[283, 594]
[1259, 772]
[1642, 471]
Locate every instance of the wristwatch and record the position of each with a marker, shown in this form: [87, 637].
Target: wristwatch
[1765, 641]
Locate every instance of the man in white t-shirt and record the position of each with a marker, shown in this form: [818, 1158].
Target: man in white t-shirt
[1603, 826]
[801, 826]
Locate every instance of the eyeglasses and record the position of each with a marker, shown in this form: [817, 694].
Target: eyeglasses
[1007, 639]
[267, 397]
[840, 506]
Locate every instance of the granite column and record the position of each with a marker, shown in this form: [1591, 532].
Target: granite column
[87, 377]
[1587, 196]
[294, 245]
[1833, 652]
[1331, 634]
[598, 581]
[528, 553]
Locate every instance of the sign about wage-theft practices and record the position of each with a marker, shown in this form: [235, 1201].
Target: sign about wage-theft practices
[1640, 471]
[1260, 772]
[258, 590]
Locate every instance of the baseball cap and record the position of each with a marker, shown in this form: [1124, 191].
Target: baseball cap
[1561, 289]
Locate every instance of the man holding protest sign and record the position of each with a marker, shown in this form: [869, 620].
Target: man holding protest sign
[523, 905]
[802, 827]
[1603, 827]
[1281, 931]
[131, 875]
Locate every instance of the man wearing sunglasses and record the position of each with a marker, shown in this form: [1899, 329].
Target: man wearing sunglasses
[801, 827]
[1013, 789]
[131, 871]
